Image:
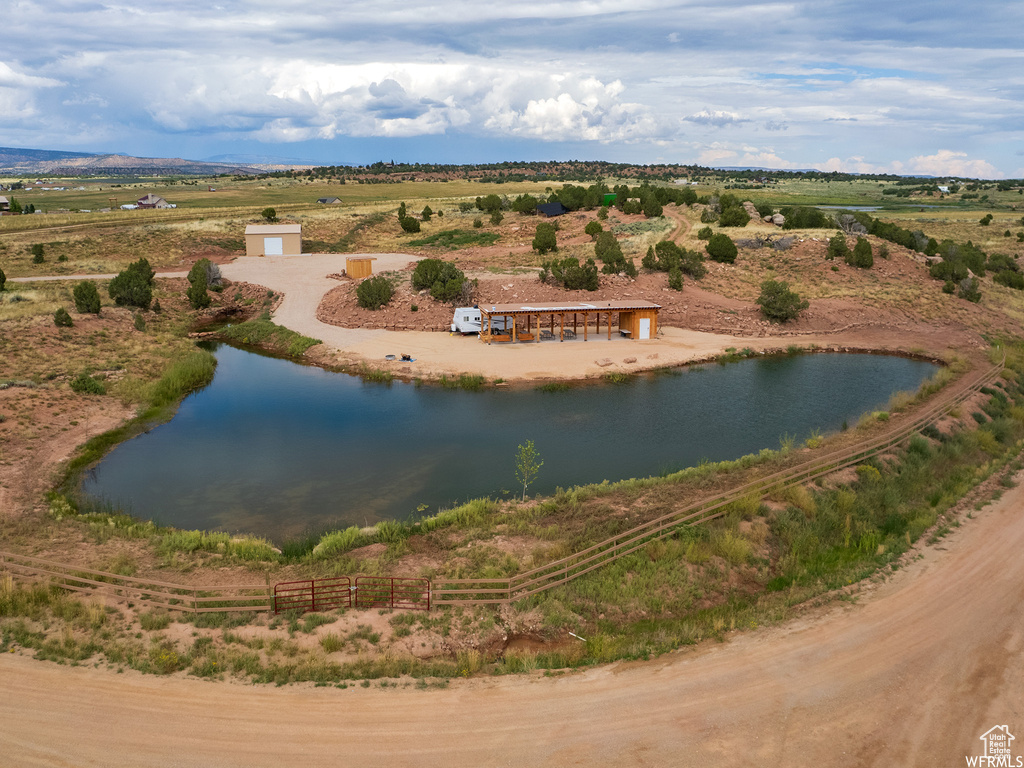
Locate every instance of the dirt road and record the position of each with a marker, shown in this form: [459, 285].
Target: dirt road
[912, 674]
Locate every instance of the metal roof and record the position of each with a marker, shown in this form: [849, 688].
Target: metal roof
[626, 305]
[273, 229]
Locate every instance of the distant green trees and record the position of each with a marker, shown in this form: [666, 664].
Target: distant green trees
[269, 214]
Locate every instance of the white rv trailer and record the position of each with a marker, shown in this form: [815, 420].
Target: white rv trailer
[467, 320]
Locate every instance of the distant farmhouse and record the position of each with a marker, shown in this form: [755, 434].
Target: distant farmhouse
[273, 240]
[153, 201]
[5, 204]
[328, 200]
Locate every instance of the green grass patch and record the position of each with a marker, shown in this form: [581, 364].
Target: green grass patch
[262, 331]
[457, 238]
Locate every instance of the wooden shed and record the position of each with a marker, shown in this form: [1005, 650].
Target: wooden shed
[358, 267]
[273, 240]
[637, 320]
[640, 323]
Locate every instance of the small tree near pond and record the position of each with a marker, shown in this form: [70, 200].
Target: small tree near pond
[528, 464]
[778, 302]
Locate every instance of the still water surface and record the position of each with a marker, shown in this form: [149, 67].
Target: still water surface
[279, 449]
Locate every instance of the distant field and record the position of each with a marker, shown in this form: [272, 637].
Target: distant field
[206, 222]
[257, 194]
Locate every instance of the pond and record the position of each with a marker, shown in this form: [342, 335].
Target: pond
[280, 449]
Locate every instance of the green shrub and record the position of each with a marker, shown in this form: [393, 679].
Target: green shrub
[87, 298]
[734, 216]
[545, 239]
[139, 321]
[497, 217]
[705, 233]
[444, 280]
[837, 248]
[86, 384]
[1010, 279]
[570, 274]
[62, 319]
[801, 217]
[478, 223]
[196, 293]
[269, 214]
[374, 292]
[778, 303]
[675, 279]
[968, 289]
[3, 279]
[861, 255]
[608, 250]
[720, 248]
[409, 224]
[593, 229]
[37, 253]
[426, 213]
[133, 285]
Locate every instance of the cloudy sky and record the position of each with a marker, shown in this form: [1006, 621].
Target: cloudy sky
[899, 86]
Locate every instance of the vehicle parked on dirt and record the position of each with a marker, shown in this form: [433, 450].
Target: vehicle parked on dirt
[467, 320]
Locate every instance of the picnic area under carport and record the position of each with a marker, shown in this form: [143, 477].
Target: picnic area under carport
[524, 322]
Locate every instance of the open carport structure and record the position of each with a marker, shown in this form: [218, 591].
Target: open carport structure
[525, 322]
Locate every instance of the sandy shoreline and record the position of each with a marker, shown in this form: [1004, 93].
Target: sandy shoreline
[303, 281]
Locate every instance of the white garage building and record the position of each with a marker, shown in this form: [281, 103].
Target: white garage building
[273, 239]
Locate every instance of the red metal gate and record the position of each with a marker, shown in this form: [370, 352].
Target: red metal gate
[390, 592]
[313, 595]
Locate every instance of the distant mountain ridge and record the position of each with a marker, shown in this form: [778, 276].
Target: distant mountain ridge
[45, 162]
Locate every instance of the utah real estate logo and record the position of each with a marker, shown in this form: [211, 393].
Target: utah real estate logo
[998, 750]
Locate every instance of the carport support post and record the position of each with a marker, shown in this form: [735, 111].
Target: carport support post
[609, 326]
[561, 327]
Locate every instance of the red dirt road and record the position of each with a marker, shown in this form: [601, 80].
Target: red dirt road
[911, 675]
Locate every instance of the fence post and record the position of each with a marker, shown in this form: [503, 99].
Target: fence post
[270, 597]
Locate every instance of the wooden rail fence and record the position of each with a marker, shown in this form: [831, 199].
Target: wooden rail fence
[558, 572]
[420, 593]
[148, 592]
